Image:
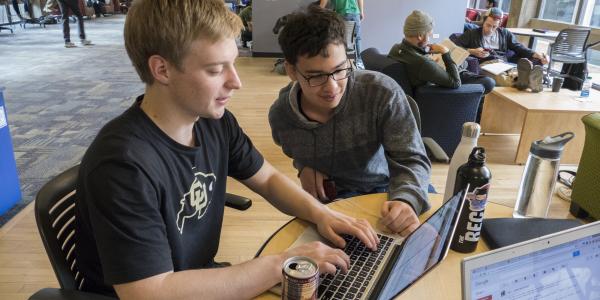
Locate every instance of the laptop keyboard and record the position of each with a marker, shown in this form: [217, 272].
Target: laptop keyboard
[363, 264]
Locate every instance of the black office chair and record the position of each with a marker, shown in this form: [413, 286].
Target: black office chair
[568, 48]
[55, 218]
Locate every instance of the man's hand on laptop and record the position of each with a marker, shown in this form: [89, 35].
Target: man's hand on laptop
[326, 257]
[333, 223]
[399, 217]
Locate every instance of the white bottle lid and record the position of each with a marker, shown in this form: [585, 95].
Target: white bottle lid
[471, 130]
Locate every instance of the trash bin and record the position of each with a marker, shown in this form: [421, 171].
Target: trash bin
[10, 192]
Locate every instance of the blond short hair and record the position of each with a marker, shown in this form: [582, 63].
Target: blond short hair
[168, 27]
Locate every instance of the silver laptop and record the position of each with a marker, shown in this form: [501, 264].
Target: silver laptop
[398, 262]
[563, 265]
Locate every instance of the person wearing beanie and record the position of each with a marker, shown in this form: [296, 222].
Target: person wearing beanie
[492, 42]
[415, 51]
[479, 20]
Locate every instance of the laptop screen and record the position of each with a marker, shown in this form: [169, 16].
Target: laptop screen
[566, 271]
[421, 250]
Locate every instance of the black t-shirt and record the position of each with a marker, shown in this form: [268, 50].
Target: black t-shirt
[148, 205]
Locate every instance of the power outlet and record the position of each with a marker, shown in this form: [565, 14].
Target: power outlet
[436, 35]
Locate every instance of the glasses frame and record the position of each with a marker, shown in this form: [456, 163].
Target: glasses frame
[308, 79]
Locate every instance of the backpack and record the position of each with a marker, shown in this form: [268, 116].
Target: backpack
[279, 66]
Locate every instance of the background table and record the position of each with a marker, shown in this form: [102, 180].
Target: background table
[528, 32]
[534, 116]
[443, 282]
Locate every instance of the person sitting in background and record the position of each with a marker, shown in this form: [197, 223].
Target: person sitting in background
[349, 132]
[479, 18]
[492, 42]
[415, 51]
[246, 16]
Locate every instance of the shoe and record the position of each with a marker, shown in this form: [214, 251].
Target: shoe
[536, 76]
[70, 45]
[524, 67]
[86, 42]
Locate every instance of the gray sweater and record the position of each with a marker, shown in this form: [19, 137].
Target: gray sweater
[371, 142]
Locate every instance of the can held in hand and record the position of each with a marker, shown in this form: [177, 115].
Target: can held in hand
[300, 278]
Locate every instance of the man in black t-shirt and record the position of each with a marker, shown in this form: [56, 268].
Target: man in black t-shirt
[152, 184]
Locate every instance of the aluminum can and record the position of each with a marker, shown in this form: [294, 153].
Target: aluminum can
[300, 278]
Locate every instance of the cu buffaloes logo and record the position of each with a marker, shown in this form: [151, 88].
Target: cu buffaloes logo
[195, 202]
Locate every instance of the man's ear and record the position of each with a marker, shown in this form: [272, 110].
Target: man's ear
[160, 68]
[289, 69]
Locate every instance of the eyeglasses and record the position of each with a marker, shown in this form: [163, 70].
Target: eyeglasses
[321, 79]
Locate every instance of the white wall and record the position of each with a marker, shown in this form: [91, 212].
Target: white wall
[381, 28]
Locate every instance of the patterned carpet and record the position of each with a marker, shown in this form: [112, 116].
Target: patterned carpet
[58, 98]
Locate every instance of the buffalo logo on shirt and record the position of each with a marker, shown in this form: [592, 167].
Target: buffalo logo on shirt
[195, 202]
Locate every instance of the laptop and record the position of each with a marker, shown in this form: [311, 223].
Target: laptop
[563, 265]
[397, 263]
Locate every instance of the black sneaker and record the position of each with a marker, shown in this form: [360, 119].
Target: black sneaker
[524, 67]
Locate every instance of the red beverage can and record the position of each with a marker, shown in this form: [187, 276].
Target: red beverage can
[300, 279]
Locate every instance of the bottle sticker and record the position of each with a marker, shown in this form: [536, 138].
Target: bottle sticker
[478, 197]
[2, 118]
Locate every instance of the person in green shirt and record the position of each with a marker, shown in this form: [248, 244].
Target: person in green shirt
[246, 16]
[350, 10]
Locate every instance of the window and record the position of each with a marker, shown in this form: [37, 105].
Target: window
[481, 4]
[559, 10]
[596, 15]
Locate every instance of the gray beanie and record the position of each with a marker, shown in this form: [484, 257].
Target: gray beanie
[418, 23]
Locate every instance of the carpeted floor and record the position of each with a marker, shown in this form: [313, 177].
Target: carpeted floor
[57, 98]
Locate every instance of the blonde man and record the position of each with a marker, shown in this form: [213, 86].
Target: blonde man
[151, 186]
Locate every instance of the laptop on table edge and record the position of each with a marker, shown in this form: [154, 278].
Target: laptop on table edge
[407, 259]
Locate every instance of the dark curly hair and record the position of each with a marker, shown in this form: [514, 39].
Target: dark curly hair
[309, 32]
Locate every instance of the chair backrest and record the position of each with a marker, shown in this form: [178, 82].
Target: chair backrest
[471, 14]
[376, 61]
[571, 41]
[55, 217]
[586, 191]
[350, 36]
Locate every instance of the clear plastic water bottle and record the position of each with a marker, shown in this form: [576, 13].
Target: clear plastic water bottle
[585, 88]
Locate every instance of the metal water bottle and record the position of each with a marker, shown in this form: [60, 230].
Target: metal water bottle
[475, 174]
[539, 176]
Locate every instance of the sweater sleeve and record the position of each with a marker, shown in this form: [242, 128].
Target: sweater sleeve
[405, 153]
[433, 73]
[514, 45]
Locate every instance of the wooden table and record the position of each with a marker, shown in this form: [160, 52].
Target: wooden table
[528, 32]
[443, 282]
[534, 116]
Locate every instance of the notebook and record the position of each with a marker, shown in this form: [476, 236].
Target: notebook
[502, 232]
[398, 262]
[563, 265]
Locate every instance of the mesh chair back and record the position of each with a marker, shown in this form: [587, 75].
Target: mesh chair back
[350, 36]
[570, 42]
[55, 217]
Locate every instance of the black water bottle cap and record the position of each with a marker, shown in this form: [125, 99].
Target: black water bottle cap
[551, 147]
[477, 155]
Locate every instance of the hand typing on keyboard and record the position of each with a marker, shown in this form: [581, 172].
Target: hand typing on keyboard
[329, 259]
[331, 224]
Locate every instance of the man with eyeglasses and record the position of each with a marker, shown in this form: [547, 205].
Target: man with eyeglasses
[349, 132]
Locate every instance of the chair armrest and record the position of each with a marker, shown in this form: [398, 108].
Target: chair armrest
[237, 202]
[60, 294]
[436, 151]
